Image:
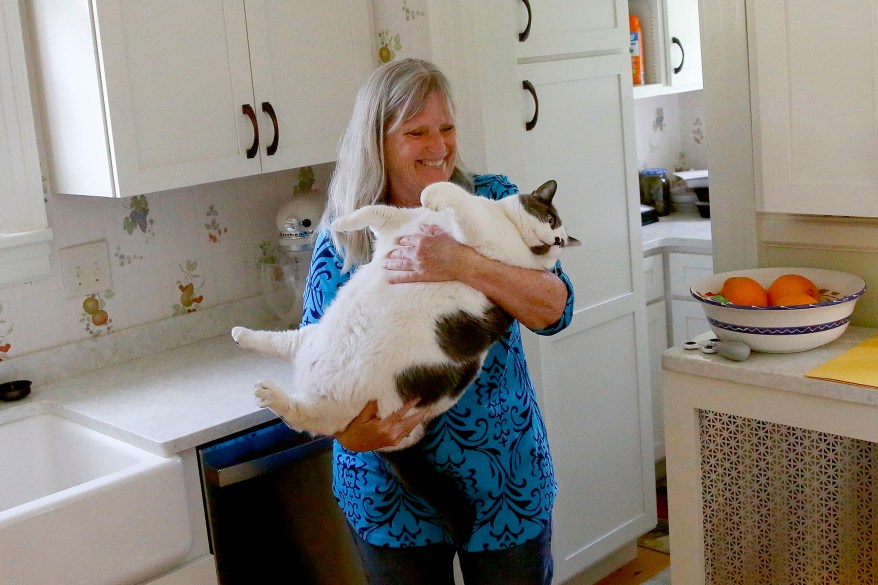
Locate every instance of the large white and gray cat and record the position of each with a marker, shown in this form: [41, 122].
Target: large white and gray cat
[395, 342]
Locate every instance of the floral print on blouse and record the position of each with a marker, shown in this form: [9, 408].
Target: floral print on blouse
[493, 441]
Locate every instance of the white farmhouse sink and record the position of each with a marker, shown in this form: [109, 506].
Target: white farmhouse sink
[77, 506]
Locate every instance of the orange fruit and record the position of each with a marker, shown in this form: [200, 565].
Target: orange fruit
[743, 290]
[795, 298]
[789, 284]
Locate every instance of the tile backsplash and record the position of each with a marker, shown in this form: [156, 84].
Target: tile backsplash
[671, 132]
[171, 254]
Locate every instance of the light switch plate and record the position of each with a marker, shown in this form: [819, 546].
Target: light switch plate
[86, 269]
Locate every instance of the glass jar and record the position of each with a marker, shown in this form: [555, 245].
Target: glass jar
[655, 190]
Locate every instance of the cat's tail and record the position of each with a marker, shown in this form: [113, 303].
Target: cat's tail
[442, 491]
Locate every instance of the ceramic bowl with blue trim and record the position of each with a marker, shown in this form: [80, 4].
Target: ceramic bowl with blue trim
[782, 329]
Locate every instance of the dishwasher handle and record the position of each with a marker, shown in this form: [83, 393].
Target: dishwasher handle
[222, 476]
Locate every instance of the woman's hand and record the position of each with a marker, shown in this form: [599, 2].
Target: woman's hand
[431, 256]
[367, 432]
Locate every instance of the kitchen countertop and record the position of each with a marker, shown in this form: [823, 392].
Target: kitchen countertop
[166, 402]
[678, 230]
[174, 400]
[779, 371]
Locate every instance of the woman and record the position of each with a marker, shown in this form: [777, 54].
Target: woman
[400, 139]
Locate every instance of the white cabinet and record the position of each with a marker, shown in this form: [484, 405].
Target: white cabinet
[595, 383]
[688, 321]
[552, 27]
[814, 106]
[684, 50]
[142, 96]
[657, 328]
[593, 378]
[24, 233]
[673, 317]
[595, 391]
[687, 316]
[672, 46]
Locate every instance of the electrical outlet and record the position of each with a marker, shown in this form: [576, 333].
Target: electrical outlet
[86, 269]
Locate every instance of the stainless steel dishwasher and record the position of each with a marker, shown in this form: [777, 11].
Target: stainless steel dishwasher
[270, 510]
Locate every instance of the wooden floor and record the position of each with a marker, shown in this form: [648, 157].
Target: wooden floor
[648, 562]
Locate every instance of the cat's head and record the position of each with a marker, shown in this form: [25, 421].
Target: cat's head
[540, 225]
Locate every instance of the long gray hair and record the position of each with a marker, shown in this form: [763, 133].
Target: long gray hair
[394, 93]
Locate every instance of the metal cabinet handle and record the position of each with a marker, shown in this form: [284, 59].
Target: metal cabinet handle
[522, 36]
[677, 42]
[254, 148]
[272, 148]
[532, 123]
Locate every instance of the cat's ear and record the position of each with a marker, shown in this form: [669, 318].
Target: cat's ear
[546, 191]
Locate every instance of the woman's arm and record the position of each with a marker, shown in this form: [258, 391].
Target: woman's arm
[536, 298]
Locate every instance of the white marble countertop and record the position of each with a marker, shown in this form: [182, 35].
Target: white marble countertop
[779, 371]
[166, 402]
[678, 230]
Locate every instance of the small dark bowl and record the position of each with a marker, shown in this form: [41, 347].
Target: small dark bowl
[14, 390]
[703, 208]
[703, 193]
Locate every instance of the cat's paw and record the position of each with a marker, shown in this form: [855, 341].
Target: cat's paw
[439, 196]
[241, 335]
[269, 395]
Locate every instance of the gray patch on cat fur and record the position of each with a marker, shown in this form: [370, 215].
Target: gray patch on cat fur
[540, 250]
[433, 383]
[462, 336]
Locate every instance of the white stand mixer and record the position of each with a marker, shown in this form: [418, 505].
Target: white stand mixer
[282, 283]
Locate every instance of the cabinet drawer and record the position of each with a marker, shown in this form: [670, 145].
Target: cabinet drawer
[686, 268]
[688, 320]
[654, 277]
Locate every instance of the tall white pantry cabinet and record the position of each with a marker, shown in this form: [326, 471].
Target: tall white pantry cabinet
[562, 69]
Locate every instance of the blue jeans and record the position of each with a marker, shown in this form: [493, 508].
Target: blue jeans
[526, 564]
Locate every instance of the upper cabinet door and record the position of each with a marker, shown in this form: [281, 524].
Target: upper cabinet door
[141, 96]
[684, 45]
[308, 59]
[147, 95]
[176, 76]
[814, 105]
[556, 27]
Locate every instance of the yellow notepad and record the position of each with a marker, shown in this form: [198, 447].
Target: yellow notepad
[858, 366]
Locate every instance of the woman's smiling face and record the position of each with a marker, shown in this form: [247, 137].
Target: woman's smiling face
[419, 152]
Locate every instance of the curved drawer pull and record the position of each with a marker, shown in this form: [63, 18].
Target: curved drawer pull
[254, 148]
[272, 148]
[532, 123]
[522, 36]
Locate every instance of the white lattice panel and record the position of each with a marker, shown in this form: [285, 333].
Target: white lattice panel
[784, 505]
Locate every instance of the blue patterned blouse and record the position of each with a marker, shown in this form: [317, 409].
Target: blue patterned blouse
[493, 440]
